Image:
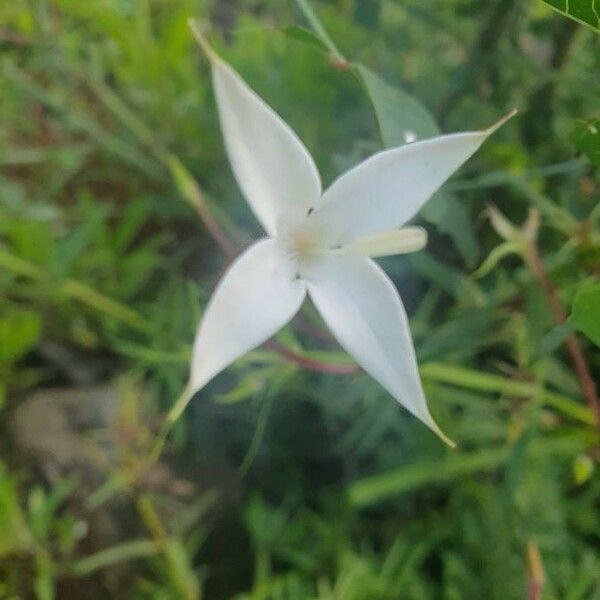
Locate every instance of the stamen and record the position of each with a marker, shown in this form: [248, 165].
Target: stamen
[299, 243]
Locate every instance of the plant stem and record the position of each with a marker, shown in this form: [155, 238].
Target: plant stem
[190, 190]
[588, 387]
[321, 32]
[312, 364]
[536, 572]
[179, 573]
[170, 420]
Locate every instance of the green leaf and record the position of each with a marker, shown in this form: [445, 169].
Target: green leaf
[16, 536]
[401, 117]
[583, 469]
[43, 583]
[586, 312]
[583, 11]
[450, 216]
[19, 332]
[586, 137]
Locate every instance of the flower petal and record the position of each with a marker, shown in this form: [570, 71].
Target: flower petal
[273, 168]
[257, 296]
[364, 311]
[389, 188]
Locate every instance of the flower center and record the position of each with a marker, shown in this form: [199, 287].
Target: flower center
[300, 243]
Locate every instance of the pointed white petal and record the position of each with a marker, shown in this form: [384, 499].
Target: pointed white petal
[257, 296]
[364, 311]
[272, 167]
[389, 243]
[389, 188]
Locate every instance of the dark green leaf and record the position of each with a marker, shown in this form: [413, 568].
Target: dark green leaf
[586, 137]
[584, 11]
[450, 216]
[586, 312]
[19, 332]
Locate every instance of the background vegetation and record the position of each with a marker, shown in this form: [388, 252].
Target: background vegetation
[292, 476]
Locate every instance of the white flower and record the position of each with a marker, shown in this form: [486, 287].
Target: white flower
[321, 243]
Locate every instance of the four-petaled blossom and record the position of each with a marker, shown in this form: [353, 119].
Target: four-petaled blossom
[321, 243]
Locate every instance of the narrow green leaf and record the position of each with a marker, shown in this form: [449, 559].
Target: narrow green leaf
[125, 551]
[180, 571]
[585, 12]
[305, 36]
[317, 27]
[485, 382]
[494, 257]
[43, 581]
[377, 488]
[105, 305]
[16, 536]
[586, 312]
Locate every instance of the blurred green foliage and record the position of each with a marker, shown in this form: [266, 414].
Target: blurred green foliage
[304, 485]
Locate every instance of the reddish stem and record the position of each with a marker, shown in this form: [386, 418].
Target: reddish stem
[535, 590]
[311, 363]
[536, 572]
[214, 229]
[586, 382]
